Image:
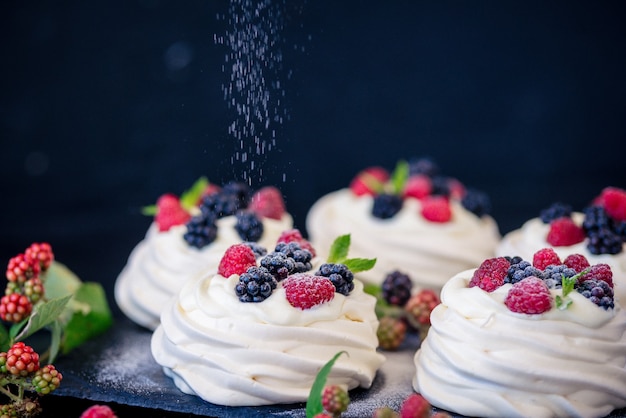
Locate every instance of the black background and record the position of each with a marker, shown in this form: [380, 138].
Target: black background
[526, 101]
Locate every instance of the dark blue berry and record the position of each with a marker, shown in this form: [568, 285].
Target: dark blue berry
[555, 211]
[598, 292]
[249, 226]
[604, 241]
[340, 276]
[278, 264]
[396, 288]
[518, 272]
[476, 202]
[300, 256]
[257, 249]
[240, 192]
[440, 186]
[386, 205]
[255, 285]
[219, 205]
[596, 218]
[425, 166]
[553, 275]
[201, 231]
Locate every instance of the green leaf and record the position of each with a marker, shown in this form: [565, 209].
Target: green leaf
[4, 338]
[314, 402]
[372, 289]
[15, 329]
[567, 286]
[399, 177]
[339, 249]
[55, 341]
[190, 197]
[91, 316]
[359, 264]
[43, 314]
[150, 210]
[563, 303]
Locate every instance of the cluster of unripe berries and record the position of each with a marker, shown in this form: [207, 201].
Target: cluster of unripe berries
[401, 310]
[25, 275]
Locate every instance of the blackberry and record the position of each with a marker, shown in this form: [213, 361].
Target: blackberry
[396, 288]
[441, 186]
[249, 226]
[219, 205]
[241, 193]
[620, 229]
[598, 292]
[278, 265]
[553, 275]
[340, 276]
[514, 259]
[555, 211]
[596, 218]
[300, 256]
[424, 166]
[476, 202]
[255, 285]
[386, 205]
[520, 271]
[604, 241]
[201, 231]
[257, 249]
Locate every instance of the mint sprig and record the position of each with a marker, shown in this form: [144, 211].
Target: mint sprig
[399, 177]
[314, 402]
[563, 301]
[188, 198]
[339, 255]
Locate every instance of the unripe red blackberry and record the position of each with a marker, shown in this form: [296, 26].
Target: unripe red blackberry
[22, 360]
[21, 268]
[385, 412]
[41, 253]
[8, 411]
[391, 332]
[419, 307]
[46, 379]
[3, 362]
[15, 307]
[335, 399]
[33, 289]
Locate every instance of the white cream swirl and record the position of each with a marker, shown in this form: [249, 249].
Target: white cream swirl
[232, 353]
[532, 236]
[480, 359]
[162, 262]
[428, 252]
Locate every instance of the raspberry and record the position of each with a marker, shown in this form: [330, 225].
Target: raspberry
[490, 274]
[305, 291]
[300, 256]
[396, 288]
[22, 268]
[385, 412]
[369, 181]
[248, 226]
[255, 285]
[545, 257]
[15, 307]
[564, 232]
[529, 296]
[613, 200]
[386, 205]
[391, 332]
[599, 272]
[42, 252]
[419, 307]
[340, 276]
[292, 235]
[322, 415]
[457, 189]
[415, 406]
[476, 202]
[268, 202]
[22, 360]
[46, 379]
[578, 262]
[98, 411]
[555, 211]
[170, 212]
[201, 231]
[418, 186]
[236, 260]
[436, 209]
[335, 399]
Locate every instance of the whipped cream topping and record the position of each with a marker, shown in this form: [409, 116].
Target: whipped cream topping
[232, 353]
[162, 262]
[480, 359]
[428, 252]
[531, 237]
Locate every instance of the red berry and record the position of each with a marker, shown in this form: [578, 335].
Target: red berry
[419, 307]
[564, 232]
[98, 411]
[305, 291]
[33, 289]
[415, 406]
[236, 260]
[418, 186]
[385, 412]
[436, 209]
[529, 296]
[391, 332]
[457, 189]
[490, 274]
[599, 272]
[613, 200]
[22, 359]
[22, 268]
[42, 253]
[47, 379]
[268, 202]
[335, 399]
[170, 212]
[369, 181]
[578, 262]
[294, 235]
[545, 257]
[15, 307]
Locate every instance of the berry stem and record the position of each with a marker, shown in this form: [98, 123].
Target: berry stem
[15, 398]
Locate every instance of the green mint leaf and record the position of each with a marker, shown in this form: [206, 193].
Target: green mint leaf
[567, 284]
[399, 177]
[314, 402]
[372, 289]
[562, 303]
[339, 249]
[190, 197]
[43, 314]
[149, 210]
[359, 264]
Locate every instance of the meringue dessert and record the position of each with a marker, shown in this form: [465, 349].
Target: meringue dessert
[181, 243]
[515, 339]
[258, 331]
[415, 220]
